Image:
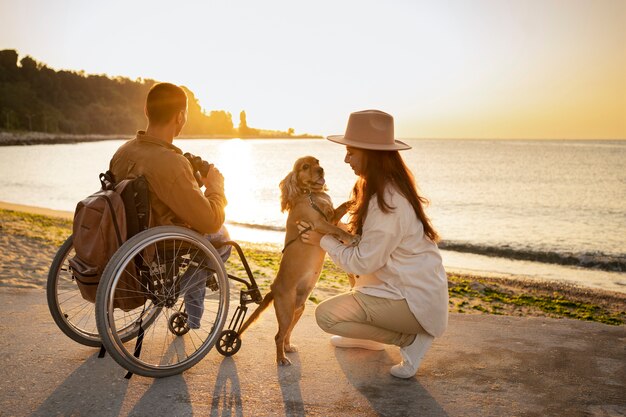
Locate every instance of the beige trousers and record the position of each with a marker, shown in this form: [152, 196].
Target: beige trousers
[363, 316]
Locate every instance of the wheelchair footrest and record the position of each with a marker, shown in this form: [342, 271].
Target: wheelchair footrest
[252, 295]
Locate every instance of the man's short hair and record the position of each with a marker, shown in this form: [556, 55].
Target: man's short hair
[164, 101]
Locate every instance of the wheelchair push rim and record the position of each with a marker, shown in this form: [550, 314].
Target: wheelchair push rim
[180, 272]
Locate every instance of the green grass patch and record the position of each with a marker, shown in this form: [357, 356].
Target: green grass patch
[53, 230]
[494, 300]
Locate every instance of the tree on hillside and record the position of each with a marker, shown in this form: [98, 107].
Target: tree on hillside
[243, 123]
[34, 97]
[198, 122]
[221, 123]
[244, 130]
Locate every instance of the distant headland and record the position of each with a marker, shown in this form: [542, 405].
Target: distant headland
[41, 105]
[24, 138]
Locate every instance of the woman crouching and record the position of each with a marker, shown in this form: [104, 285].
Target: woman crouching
[400, 289]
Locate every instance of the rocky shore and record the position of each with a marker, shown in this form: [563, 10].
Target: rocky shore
[41, 138]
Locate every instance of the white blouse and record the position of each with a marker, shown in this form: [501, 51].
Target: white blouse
[395, 260]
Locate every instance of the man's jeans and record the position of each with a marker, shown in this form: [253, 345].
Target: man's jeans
[193, 282]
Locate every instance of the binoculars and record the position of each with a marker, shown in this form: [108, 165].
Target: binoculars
[199, 166]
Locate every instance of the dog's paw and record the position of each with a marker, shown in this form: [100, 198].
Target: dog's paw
[283, 362]
[348, 239]
[291, 348]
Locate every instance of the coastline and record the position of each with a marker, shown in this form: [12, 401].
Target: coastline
[31, 236]
[42, 138]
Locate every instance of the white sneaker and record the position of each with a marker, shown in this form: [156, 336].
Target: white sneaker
[412, 356]
[346, 342]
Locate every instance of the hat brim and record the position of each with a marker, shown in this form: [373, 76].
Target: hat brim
[397, 146]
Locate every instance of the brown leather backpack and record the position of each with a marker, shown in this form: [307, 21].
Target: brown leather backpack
[102, 223]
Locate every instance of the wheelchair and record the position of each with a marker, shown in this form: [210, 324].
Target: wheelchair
[187, 293]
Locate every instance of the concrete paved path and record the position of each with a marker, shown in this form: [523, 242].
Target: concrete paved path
[483, 366]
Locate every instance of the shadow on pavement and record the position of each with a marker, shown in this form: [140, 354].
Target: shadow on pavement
[173, 389]
[227, 392]
[289, 378]
[368, 372]
[92, 386]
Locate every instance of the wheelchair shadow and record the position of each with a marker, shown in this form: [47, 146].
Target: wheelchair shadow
[92, 386]
[227, 392]
[173, 389]
[387, 395]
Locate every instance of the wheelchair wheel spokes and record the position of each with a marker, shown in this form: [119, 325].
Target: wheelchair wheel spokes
[174, 266]
[127, 322]
[74, 315]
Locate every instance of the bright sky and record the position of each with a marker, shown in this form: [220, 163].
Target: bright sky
[475, 68]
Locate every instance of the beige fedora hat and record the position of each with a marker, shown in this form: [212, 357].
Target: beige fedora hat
[370, 129]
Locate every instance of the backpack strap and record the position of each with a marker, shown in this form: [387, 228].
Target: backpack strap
[136, 204]
[107, 180]
[142, 202]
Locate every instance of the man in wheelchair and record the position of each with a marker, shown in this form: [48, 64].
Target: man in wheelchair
[174, 192]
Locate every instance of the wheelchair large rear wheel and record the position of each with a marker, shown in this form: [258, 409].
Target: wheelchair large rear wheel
[76, 316]
[183, 275]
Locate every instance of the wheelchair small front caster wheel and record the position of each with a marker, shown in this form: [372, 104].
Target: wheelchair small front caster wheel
[178, 323]
[229, 343]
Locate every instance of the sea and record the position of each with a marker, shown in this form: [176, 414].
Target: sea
[539, 209]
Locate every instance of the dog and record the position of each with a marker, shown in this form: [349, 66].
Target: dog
[303, 196]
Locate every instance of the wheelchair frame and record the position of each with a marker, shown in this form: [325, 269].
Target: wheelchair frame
[140, 325]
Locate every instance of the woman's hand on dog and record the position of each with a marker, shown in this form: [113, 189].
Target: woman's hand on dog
[310, 236]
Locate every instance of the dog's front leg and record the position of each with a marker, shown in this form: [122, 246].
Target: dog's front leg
[339, 212]
[324, 227]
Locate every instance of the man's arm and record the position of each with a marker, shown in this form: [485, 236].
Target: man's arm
[202, 212]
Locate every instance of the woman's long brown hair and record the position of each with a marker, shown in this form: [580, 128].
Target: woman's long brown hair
[381, 168]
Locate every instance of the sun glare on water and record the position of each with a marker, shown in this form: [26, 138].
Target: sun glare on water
[234, 161]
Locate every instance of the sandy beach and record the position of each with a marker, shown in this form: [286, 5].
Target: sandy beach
[30, 237]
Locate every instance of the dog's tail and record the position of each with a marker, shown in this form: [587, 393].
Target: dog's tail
[267, 300]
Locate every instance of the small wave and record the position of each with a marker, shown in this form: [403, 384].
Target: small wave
[594, 260]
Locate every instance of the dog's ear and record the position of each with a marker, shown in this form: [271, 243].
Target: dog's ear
[288, 191]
